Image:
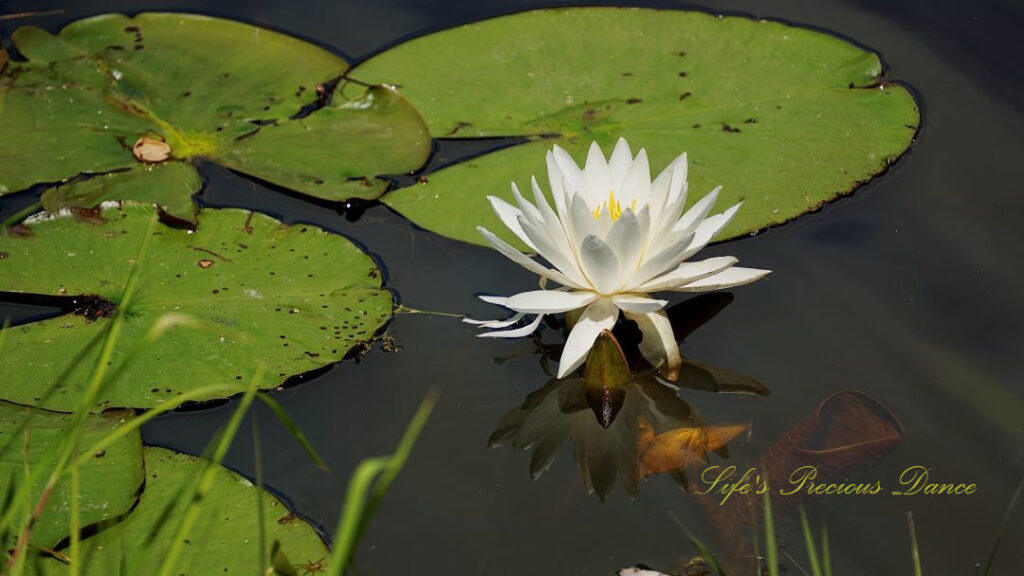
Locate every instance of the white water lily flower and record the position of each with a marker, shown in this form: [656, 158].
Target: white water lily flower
[612, 238]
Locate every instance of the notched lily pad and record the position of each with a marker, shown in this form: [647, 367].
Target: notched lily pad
[229, 518]
[243, 289]
[110, 480]
[783, 117]
[260, 102]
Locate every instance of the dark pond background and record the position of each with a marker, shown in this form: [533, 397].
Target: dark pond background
[910, 291]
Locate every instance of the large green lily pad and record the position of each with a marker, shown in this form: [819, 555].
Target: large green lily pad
[294, 298]
[109, 480]
[257, 101]
[225, 541]
[783, 117]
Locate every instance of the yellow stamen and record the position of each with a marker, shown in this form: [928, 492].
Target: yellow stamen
[614, 207]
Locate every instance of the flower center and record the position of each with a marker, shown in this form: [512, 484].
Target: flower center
[614, 207]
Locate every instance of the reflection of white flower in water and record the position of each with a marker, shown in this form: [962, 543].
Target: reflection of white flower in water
[612, 238]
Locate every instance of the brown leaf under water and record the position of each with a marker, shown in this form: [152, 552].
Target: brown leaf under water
[681, 447]
[847, 433]
[21, 15]
[3, 59]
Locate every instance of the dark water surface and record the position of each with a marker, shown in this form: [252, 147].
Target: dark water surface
[909, 291]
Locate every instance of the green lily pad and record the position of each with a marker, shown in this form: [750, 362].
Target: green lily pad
[109, 480]
[257, 101]
[783, 117]
[228, 535]
[169, 185]
[295, 298]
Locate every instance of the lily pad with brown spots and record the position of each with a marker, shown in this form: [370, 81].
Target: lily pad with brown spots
[242, 289]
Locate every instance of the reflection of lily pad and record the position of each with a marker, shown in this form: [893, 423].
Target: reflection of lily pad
[110, 479]
[259, 102]
[292, 297]
[783, 117]
[228, 541]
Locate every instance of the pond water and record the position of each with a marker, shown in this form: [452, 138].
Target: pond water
[908, 291]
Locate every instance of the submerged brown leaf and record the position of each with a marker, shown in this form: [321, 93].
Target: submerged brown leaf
[846, 433]
[680, 447]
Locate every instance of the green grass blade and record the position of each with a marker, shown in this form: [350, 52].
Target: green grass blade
[348, 529]
[770, 545]
[398, 459]
[812, 552]
[826, 554]
[197, 499]
[1002, 527]
[293, 429]
[367, 487]
[699, 546]
[75, 547]
[135, 423]
[915, 554]
[257, 459]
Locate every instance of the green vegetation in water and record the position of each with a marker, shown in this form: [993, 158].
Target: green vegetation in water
[259, 102]
[243, 288]
[784, 118]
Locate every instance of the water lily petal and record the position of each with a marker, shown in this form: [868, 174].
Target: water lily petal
[660, 185]
[600, 264]
[627, 241]
[670, 213]
[619, 162]
[570, 171]
[598, 317]
[638, 303]
[659, 345]
[565, 263]
[531, 212]
[698, 212]
[596, 183]
[515, 332]
[498, 300]
[707, 229]
[636, 185]
[509, 216]
[554, 226]
[666, 259]
[549, 301]
[495, 323]
[581, 222]
[687, 272]
[735, 276]
[559, 192]
[523, 260]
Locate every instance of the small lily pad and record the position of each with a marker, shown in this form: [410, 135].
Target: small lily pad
[260, 102]
[783, 117]
[169, 185]
[229, 538]
[109, 479]
[295, 298]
